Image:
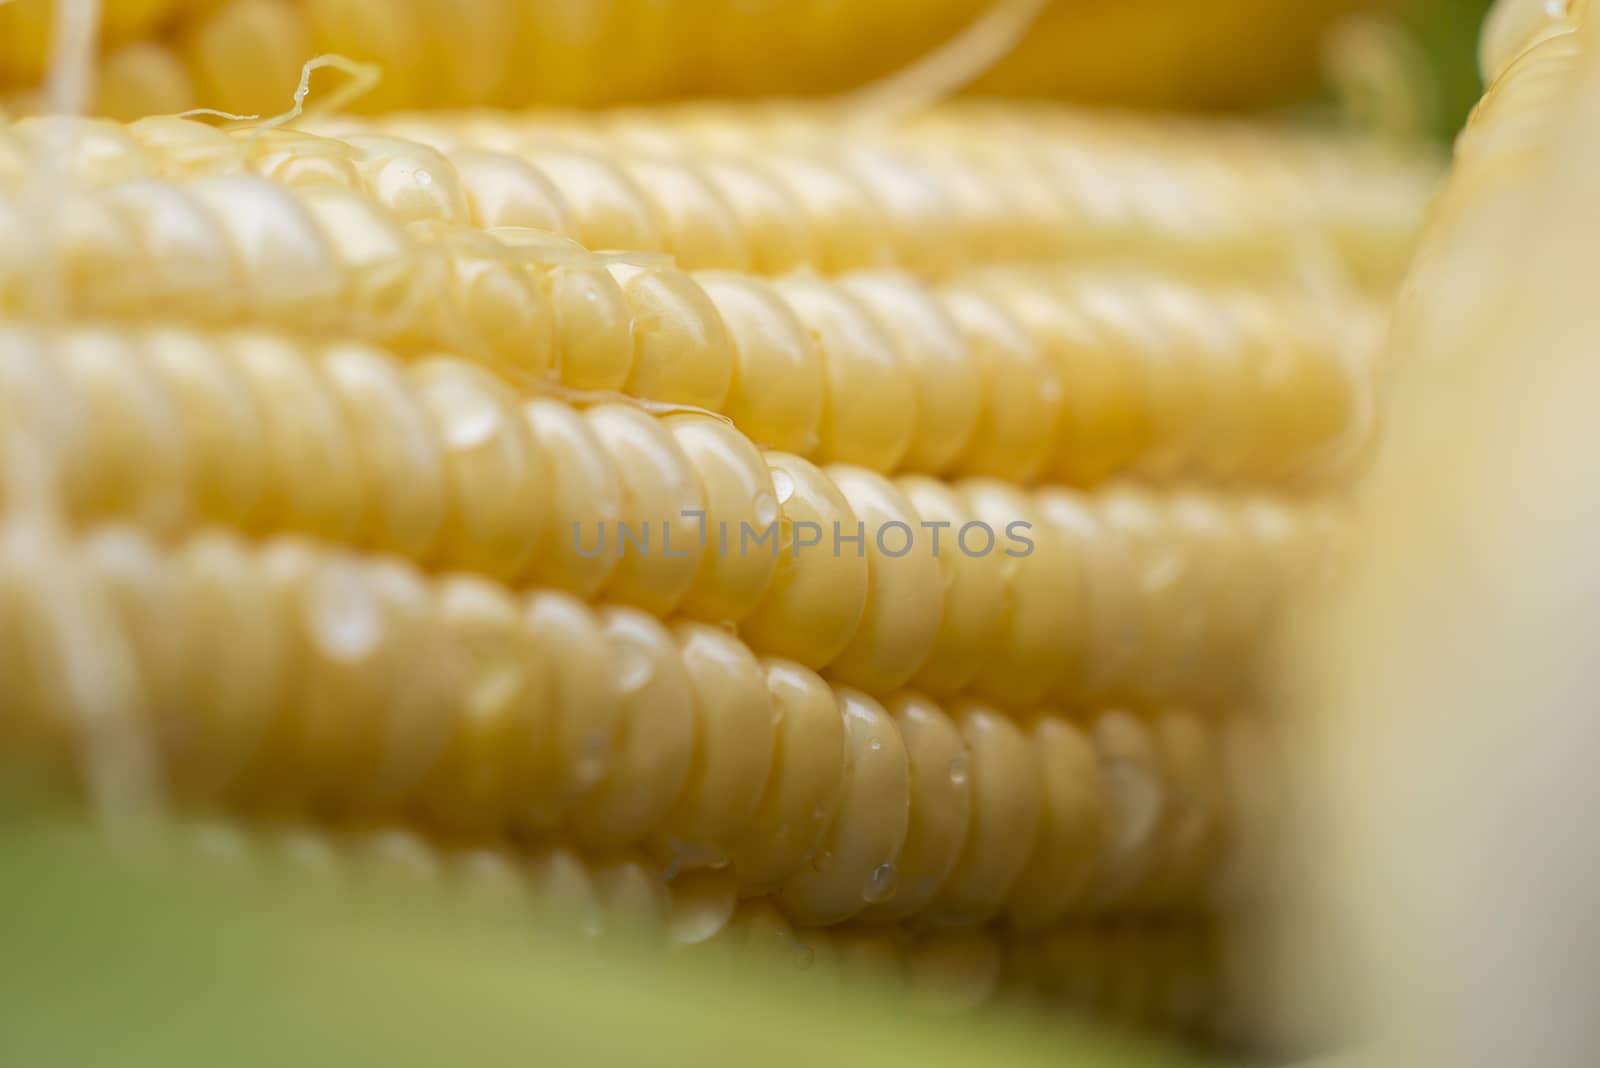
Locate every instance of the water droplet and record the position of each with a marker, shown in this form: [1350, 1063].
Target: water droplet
[958, 772]
[346, 622]
[766, 512]
[783, 485]
[424, 178]
[472, 420]
[804, 956]
[875, 745]
[822, 862]
[881, 885]
[634, 668]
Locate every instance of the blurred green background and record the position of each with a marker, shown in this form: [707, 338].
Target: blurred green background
[1447, 33]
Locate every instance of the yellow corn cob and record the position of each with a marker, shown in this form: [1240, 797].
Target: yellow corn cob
[1030, 595]
[735, 189]
[26, 31]
[1015, 373]
[246, 54]
[292, 678]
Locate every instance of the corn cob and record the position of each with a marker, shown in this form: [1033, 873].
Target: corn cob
[26, 31]
[291, 678]
[244, 55]
[1016, 374]
[1120, 592]
[964, 185]
[1012, 181]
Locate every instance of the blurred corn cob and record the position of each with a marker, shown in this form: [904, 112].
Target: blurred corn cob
[1473, 596]
[165, 56]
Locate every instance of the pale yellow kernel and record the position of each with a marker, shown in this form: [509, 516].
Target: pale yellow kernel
[135, 448]
[681, 350]
[656, 740]
[941, 805]
[1022, 395]
[411, 180]
[803, 788]
[974, 588]
[612, 213]
[778, 385]
[1041, 640]
[1007, 803]
[869, 825]
[594, 328]
[736, 740]
[937, 350]
[848, 227]
[401, 455]
[580, 548]
[700, 232]
[1071, 826]
[818, 597]
[499, 479]
[504, 191]
[657, 535]
[192, 272]
[218, 418]
[905, 595]
[501, 756]
[289, 271]
[587, 699]
[870, 411]
[770, 219]
[314, 482]
[739, 492]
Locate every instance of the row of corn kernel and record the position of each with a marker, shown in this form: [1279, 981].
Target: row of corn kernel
[26, 28]
[246, 54]
[1016, 375]
[723, 192]
[977, 585]
[973, 184]
[298, 679]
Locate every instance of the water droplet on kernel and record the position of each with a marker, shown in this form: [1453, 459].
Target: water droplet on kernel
[958, 772]
[766, 512]
[346, 622]
[424, 178]
[783, 485]
[634, 668]
[881, 885]
[472, 421]
[875, 745]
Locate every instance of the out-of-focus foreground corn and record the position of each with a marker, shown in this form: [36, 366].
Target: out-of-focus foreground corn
[244, 56]
[1452, 683]
[845, 541]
